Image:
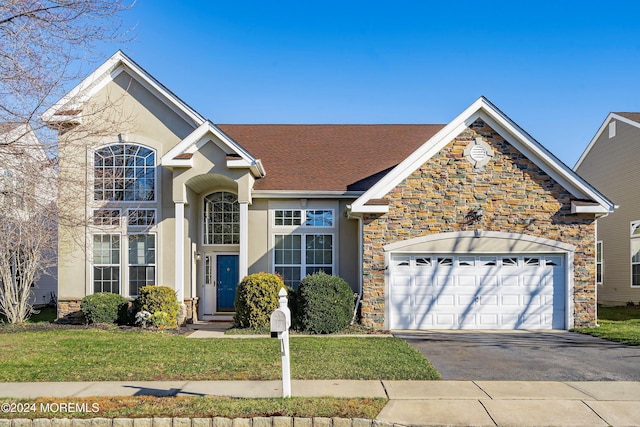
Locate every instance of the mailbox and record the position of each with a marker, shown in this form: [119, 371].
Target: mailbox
[278, 323]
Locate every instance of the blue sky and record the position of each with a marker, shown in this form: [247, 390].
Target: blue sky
[557, 68]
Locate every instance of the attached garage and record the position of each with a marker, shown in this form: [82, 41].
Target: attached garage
[449, 291]
[468, 280]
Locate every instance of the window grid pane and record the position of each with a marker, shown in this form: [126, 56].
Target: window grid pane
[319, 218]
[285, 217]
[142, 258]
[221, 219]
[141, 217]
[635, 262]
[291, 258]
[124, 172]
[106, 263]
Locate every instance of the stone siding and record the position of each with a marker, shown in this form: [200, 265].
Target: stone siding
[69, 311]
[516, 196]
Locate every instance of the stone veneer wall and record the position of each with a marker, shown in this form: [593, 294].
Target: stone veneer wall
[196, 422]
[69, 311]
[515, 195]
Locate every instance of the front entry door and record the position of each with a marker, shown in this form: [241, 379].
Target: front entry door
[227, 276]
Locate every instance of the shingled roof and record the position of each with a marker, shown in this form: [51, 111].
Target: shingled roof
[327, 157]
[631, 116]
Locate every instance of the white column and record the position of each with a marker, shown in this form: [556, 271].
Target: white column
[243, 267]
[179, 252]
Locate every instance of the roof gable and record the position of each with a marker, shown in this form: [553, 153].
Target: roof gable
[632, 119]
[516, 136]
[181, 155]
[68, 108]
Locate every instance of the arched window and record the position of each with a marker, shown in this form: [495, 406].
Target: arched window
[221, 219]
[124, 172]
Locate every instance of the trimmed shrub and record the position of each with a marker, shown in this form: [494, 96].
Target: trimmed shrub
[161, 303]
[325, 303]
[256, 299]
[104, 307]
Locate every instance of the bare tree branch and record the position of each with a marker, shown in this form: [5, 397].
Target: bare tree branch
[44, 45]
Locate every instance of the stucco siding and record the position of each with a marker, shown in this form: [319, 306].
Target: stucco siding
[612, 166]
[123, 111]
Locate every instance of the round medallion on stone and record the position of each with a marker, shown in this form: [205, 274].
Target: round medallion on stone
[478, 153]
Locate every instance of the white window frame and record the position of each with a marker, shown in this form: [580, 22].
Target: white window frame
[303, 218]
[600, 262]
[634, 239]
[155, 175]
[127, 275]
[117, 218]
[143, 226]
[205, 228]
[109, 265]
[123, 260]
[303, 253]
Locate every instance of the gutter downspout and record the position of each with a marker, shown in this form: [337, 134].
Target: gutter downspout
[360, 270]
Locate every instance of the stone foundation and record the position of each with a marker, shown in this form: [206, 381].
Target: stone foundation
[69, 311]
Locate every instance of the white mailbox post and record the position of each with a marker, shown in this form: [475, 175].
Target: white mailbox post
[280, 324]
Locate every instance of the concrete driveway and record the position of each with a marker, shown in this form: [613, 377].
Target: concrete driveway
[524, 355]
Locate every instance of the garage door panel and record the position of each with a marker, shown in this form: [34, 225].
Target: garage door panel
[442, 281]
[510, 300]
[423, 302]
[488, 300]
[400, 281]
[467, 292]
[489, 320]
[444, 319]
[422, 281]
[510, 281]
[446, 300]
[467, 281]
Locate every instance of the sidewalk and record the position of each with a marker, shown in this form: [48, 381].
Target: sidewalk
[456, 403]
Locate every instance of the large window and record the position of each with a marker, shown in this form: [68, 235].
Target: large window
[142, 260]
[110, 254]
[303, 217]
[635, 253]
[297, 255]
[106, 263]
[221, 219]
[124, 172]
[599, 263]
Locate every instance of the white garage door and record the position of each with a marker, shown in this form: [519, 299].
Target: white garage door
[477, 292]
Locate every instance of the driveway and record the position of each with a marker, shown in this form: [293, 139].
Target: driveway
[524, 355]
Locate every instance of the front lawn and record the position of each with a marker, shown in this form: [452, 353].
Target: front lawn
[115, 355]
[620, 324]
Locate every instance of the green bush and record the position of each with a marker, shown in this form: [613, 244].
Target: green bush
[104, 307]
[325, 304]
[161, 303]
[256, 298]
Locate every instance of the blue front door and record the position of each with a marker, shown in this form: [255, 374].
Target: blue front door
[227, 278]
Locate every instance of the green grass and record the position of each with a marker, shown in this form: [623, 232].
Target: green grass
[620, 324]
[147, 407]
[45, 314]
[115, 355]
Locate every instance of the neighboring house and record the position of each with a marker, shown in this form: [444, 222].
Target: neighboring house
[26, 169]
[472, 224]
[610, 163]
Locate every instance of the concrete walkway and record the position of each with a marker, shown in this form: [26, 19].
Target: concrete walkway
[455, 403]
